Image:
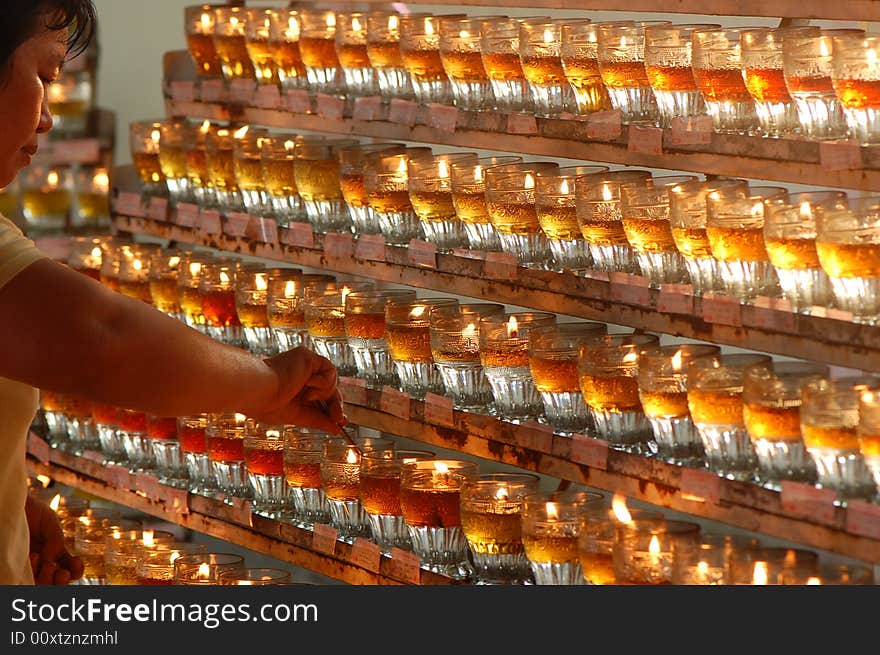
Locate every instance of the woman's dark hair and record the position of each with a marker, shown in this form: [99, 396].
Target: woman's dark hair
[22, 19]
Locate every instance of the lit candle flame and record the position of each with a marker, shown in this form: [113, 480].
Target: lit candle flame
[292, 32]
[352, 456]
[148, 539]
[137, 264]
[824, 50]
[345, 292]
[240, 418]
[206, 23]
[563, 188]
[417, 312]
[703, 569]
[630, 358]
[757, 210]
[52, 178]
[224, 277]
[871, 56]
[529, 181]
[429, 26]
[401, 167]
[244, 583]
[241, 132]
[607, 195]
[478, 173]
[654, 546]
[469, 331]
[806, 211]
[233, 21]
[393, 22]
[260, 282]
[174, 262]
[512, 328]
[273, 434]
[223, 133]
[204, 571]
[290, 289]
[44, 480]
[790, 559]
[174, 556]
[813, 580]
[441, 467]
[552, 511]
[155, 136]
[621, 512]
[548, 36]
[206, 126]
[356, 24]
[195, 268]
[55, 502]
[85, 521]
[289, 145]
[677, 361]
[331, 19]
[101, 180]
[442, 169]
[759, 574]
[96, 251]
[116, 533]
[623, 42]
[503, 493]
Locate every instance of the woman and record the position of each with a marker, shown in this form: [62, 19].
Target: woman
[62, 331]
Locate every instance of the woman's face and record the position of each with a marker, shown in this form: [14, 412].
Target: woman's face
[24, 107]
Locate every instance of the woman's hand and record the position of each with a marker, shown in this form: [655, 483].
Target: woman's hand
[50, 561]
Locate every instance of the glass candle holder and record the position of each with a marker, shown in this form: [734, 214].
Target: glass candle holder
[599, 214]
[597, 525]
[52, 409]
[144, 139]
[106, 421]
[379, 488]
[163, 270]
[468, 182]
[258, 25]
[735, 227]
[303, 451]
[668, 59]
[351, 177]
[251, 299]
[220, 167]
[709, 560]
[325, 323]
[717, 65]
[868, 431]
[81, 432]
[284, 32]
[92, 208]
[199, 21]
[430, 498]
[761, 565]
[855, 74]
[198, 179]
[188, 277]
[541, 59]
[553, 360]
[663, 384]
[771, 409]
[316, 171]
[550, 529]
[510, 200]
[264, 459]
[645, 216]
[644, 551]
[847, 241]
[621, 56]
[217, 290]
[430, 192]
[255, 576]
[71, 102]
[135, 440]
[167, 454]
[205, 568]
[386, 181]
[317, 46]
[762, 60]
[224, 436]
[285, 313]
[608, 369]
[460, 55]
[231, 44]
[420, 49]
[46, 199]
[85, 256]
[806, 65]
[247, 153]
[134, 271]
[555, 206]
[790, 239]
[408, 335]
[499, 50]
[277, 163]
[340, 479]
[90, 542]
[455, 347]
[386, 59]
[351, 49]
[579, 52]
[504, 354]
[714, 397]
[122, 549]
[192, 435]
[365, 330]
[491, 509]
[829, 423]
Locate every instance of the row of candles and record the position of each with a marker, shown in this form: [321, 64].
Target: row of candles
[489, 528]
[818, 83]
[740, 415]
[724, 235]
[116, 550]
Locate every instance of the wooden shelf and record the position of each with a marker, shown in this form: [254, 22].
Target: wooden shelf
[784, 160]
[211, 516]
[832, 340]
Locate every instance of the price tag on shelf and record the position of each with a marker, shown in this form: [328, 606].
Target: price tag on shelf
[176, 500]
[589, 451]
[241, 92]
[147, 484]
[691, 131]
[119, 476]
[721, 310]
[330, 107]
[676, 299]
[630, 289]
[129, 204]
[209, 222]
[807, 501]
[772, 314]
[79, 151]
[213, 91]
[236, 224]
[94, 456]
[300, 235]
[863, 518]
[700, 486]
[833, 314]
[38, 447]
[240, 511]
[324, 538]
[442, 117]
[367, 108]
[840, 155]
[366, 554]
[370, 246]
[500, 266]
[405, 566]
[422, 253]
[264, 230]
[183, 91]
[534, 436]
[469, 254]
[395, 402]
[604, 125]
[353, 390]
[402, 112]
[268, 97]
[645, 140]
[439, 410]
[340, 246]
[298, 101]
[522, 124]
[157, 210]
[187, 214]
